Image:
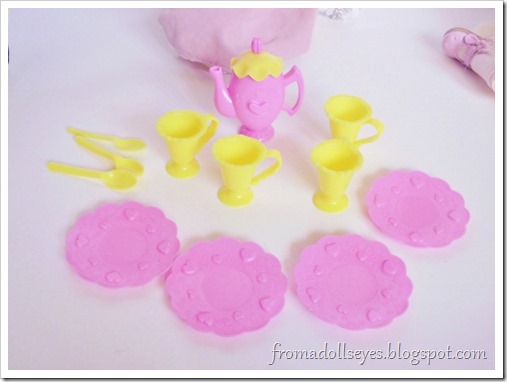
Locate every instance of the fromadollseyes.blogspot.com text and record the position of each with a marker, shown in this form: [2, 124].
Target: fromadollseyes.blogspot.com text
[393, 351]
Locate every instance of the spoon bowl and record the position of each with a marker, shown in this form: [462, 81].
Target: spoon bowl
[116, 179]
[119, 161]
[128, 144]
[119, 179]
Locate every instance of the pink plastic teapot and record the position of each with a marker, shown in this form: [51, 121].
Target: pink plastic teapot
[256, 92]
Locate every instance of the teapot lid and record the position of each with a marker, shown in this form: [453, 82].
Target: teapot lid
[256, 63]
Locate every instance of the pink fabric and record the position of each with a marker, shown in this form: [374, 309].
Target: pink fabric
[214, 36]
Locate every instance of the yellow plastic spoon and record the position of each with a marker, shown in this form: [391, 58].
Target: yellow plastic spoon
[128, 144]
[117, 179]
[119, 161]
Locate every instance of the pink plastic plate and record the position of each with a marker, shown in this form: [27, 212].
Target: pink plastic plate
[226, 286]
[416, 209]
[352, 282]
[120, 245]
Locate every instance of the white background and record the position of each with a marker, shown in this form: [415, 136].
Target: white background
[113, 71]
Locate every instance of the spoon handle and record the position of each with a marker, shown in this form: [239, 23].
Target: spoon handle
[73, 170]
[88, 134]
[89, 145]
[128, 144]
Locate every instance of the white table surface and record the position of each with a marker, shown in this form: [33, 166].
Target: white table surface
[112, 71]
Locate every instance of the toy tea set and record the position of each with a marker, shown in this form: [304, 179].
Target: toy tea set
[227, 286]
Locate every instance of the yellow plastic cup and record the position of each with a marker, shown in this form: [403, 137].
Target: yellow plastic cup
[185, 132]
[347, 114]
[336, 160]
[238, 157]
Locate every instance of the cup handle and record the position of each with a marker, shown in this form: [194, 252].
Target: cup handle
[210, 131]
[379, 126]
[271, 169]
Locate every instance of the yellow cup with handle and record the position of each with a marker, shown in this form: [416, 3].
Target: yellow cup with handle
[185, 133]
[347, 115]
[337, 160]
[239, 157]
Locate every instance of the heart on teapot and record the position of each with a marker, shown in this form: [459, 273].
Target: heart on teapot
[258, 107]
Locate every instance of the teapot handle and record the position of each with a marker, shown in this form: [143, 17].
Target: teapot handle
[294, 75]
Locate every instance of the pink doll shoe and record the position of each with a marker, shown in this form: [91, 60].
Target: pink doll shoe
[462, 45]
[352, 282]
[417, 209]
[226, 286]
[122, 245]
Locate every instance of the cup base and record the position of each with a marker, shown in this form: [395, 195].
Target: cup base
[331, 205]
[186, 170]
[235, 199]
[261, 135]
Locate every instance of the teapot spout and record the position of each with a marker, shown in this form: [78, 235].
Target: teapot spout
[223, 100]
